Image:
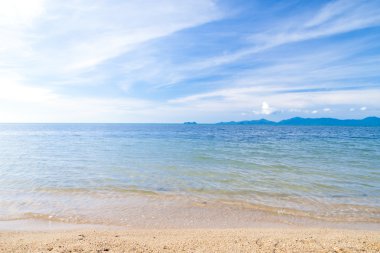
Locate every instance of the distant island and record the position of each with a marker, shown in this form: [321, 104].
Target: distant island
[298, 121]
[190, 123]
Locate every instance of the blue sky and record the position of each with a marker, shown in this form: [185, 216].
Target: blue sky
[195, 60]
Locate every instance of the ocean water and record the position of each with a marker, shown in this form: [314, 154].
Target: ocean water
[69, 171]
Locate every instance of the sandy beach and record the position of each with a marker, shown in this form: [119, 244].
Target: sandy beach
[193, 240]
[187, 227]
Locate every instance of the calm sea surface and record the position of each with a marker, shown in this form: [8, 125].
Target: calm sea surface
[325, 172]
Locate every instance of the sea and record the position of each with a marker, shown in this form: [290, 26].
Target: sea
[74, 172]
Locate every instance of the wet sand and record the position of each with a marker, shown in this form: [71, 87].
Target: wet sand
[193, 240]
[171, 227]
[175, 226]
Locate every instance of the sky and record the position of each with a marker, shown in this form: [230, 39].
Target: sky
[188, 60]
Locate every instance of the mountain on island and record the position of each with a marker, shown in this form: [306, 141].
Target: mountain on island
[298, 121]
[249, 122]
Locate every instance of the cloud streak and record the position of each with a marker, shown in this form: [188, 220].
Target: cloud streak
[141, 61]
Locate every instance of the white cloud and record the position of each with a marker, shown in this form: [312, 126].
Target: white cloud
[228, 94]
[330, 11]
[20, 12]
[45, 46]
[240, 99]
[266, 109]
[69, 38]
[16, 18]
[12, 88]
[335, 18]
[124, 26]
[21, 102]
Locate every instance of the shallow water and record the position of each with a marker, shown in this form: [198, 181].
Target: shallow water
[71, 171]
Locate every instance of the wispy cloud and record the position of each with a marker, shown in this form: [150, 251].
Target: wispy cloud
[48, 46]
[73, 37]
[330, 63]
[335, 18]
[165, 61]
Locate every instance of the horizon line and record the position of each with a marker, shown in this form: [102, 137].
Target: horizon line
[203, 123]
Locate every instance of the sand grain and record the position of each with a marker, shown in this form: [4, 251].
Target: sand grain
[195, 240]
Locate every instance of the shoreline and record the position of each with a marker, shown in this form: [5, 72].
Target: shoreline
[178, 226]
[168, 212]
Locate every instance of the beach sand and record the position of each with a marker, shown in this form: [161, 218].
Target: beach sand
[193, 240]
[175, 226]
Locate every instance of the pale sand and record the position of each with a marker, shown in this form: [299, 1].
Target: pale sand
[193, 240]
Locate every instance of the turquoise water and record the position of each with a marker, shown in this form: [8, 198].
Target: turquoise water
[322, 172]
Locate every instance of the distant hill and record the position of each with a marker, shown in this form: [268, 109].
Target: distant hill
[249, 122]
[297, 121]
